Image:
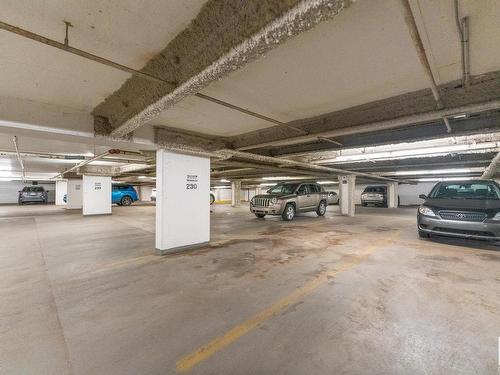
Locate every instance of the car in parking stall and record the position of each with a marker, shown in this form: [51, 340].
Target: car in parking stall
[333, 197]
[466, 209]
[33, 194]
[121, 194]
[289, 198]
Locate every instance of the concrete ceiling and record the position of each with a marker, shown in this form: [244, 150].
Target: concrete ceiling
[129, 32]
[363, 55]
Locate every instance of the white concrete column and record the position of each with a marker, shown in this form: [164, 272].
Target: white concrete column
[61, 191]
[235, 193]
[392, 195]
[96, 198]
[182, 201]
[346, 192]
[74, 194]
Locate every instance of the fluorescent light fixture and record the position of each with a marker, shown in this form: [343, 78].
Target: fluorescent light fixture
[224, 180]
[6, 179]
[142, 177]
[327, 182]
[462, 115]
[280, 178]
[432, 179]
[435, 171]
[220, 187]
[267, 184]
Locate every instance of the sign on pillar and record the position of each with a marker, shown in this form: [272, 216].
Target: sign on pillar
[61, 191]
[346, 191]
[96, 195]
[74, 194]
[182, 201]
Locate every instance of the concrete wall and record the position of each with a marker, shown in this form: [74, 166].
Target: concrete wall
[225, 194]
[96, 199]
[9, 191]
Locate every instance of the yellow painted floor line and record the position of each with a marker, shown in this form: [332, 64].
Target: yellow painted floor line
[206, 351]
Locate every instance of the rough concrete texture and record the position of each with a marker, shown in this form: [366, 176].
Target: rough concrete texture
[175, 139]
[373, 298]
[223, 37]
[485, 87]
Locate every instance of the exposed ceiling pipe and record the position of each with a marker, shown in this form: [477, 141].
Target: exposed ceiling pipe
[419, 47]
[19, 159]
[84, 162]
[330, 141]
[447, 124]
[67, 48]
[286, 162]
[463, 34]
[491, 170]
[382, 125]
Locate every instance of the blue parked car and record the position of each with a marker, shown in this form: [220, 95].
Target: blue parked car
[121, 194]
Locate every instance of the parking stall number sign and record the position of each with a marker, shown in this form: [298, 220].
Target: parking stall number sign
[97, 186]
[191, 182]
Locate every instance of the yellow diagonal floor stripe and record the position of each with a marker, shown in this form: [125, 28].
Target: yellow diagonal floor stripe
[206, 351]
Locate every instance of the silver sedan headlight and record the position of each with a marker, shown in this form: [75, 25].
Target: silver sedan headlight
[426, 211]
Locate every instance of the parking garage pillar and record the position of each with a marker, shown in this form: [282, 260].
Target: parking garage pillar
[392, 195]
[74, 194]
[61, 191]
[96, 199]
[235, 193]
[182, 201]
[346, 191]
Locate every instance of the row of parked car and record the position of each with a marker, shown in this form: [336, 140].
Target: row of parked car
[466, 209]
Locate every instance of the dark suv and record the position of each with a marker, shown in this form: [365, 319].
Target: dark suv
[33, 194]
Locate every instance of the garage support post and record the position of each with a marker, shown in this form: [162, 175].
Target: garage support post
[346, 192]
[392, 195]
[74, 194]
[96, 199]
[182, 201]
[235, 193]
[61, 191]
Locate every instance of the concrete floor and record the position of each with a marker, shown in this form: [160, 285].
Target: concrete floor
[332, 295]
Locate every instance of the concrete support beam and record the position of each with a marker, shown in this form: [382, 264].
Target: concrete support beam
[61, 191]
[182, 204]
[347, 201]
[74, 194]
[491, 170]
[224, 36]
[236, 193]
[392, 195]
[96, 199]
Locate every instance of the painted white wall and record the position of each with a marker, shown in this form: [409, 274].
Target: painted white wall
[182, 213]
[9, 191]
[96, 199]
[61, 189]
[75, 194]
[145, 193]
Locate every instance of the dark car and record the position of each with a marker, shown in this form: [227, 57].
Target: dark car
[467, 209]
[33, 194]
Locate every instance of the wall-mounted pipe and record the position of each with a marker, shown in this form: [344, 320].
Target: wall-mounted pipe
[19, 159]
[82, 163]
[463, 34]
